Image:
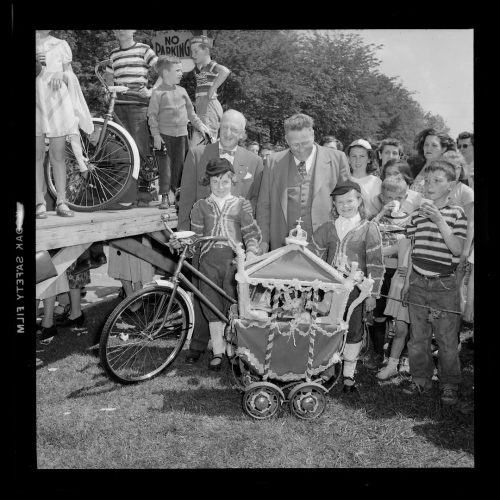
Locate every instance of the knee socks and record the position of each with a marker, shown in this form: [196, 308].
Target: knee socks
[217, 336]
[351, 353]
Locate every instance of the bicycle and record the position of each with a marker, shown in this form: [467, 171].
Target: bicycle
[146, 331]
[112, 158]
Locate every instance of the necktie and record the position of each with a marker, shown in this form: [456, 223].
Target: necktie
[302, 169]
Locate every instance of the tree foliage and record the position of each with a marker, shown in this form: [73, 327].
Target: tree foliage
[334, 78]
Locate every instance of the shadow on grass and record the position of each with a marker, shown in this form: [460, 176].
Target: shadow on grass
[450, 428]
[96, 389]
[208, 402]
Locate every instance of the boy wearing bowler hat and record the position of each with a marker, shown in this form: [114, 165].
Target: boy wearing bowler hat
[222, 214]
[351, 237]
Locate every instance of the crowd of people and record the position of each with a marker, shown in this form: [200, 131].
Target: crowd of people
[407, 221]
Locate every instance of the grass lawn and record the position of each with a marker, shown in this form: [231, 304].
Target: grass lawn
[192, 418]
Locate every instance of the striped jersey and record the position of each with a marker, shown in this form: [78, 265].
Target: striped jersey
[205, 77]
[130, 66]
[430, 251]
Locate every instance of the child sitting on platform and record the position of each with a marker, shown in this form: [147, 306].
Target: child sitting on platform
[350, 237]
[229, 216]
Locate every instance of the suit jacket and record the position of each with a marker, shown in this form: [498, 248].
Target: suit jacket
[331, 166]
[248, 170]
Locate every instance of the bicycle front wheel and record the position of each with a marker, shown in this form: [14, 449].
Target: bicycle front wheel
[110, 168]
[138, 340]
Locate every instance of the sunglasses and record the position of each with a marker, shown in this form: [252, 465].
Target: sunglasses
[463, 146]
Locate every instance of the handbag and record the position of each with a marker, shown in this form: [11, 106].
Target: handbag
[44, 266]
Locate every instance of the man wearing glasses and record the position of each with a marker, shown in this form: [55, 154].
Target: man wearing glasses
[248, 169]
[297, 184]
[465, 144]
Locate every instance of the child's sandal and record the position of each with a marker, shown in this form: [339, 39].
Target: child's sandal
[215, 363]
[41, 211]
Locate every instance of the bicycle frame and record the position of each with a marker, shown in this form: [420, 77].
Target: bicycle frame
[178, 276]
[111, 115]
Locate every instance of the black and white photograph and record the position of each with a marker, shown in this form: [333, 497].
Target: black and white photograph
[254, 248]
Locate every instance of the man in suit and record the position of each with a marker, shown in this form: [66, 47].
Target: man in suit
[248, 170]
[297, 184]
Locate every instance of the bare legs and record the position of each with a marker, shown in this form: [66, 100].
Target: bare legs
[41, 187]
[56, 153]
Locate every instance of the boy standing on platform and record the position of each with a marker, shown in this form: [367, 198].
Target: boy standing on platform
[169, 110]
[209, 77]
[129, 65]
[438, 231]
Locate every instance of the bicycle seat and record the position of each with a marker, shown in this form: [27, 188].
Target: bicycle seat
[117, 88]
[183, 234]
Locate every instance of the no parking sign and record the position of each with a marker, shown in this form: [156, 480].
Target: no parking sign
[175, 43]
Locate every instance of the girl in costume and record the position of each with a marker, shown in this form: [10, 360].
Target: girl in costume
[225, 215]
[350, 237]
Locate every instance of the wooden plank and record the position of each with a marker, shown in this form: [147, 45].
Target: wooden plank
[148, 254]
[89, 227]
[62, 260]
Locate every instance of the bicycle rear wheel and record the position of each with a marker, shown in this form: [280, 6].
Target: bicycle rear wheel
[110, 168]
[138, 342]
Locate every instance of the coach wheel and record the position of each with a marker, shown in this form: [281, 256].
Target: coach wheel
[307, 401]
[261, 400]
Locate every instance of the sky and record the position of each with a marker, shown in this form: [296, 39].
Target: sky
[435, 63]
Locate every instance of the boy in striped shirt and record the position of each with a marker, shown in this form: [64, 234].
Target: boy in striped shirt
[129, 65]
[438, 231]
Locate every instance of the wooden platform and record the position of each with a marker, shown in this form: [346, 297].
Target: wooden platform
[73, 235]
[89, 227]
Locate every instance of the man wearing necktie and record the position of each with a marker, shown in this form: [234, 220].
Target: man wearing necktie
[248, 170]
[297, 184]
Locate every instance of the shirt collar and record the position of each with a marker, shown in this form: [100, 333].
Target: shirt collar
[309, 160]
[350, 220]
[221, 147]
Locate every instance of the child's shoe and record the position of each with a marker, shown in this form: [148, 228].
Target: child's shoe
[404, 365]
[349, 386]
[388, 371]
[417, 390]
[449, 396]
[372, 361]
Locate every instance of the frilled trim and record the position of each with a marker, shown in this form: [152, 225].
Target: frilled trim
[298, 284]
[250, 359]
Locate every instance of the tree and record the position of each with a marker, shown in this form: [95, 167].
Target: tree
[332, 77]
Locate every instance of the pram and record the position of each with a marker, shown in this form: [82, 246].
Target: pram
[289, 327]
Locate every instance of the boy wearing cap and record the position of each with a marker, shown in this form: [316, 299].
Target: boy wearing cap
[226, 215]
[351, 237]
[209, 77]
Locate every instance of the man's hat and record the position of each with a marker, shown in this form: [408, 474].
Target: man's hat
[360, 142]
[218, 166]
[202, 39]
[344, 187]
